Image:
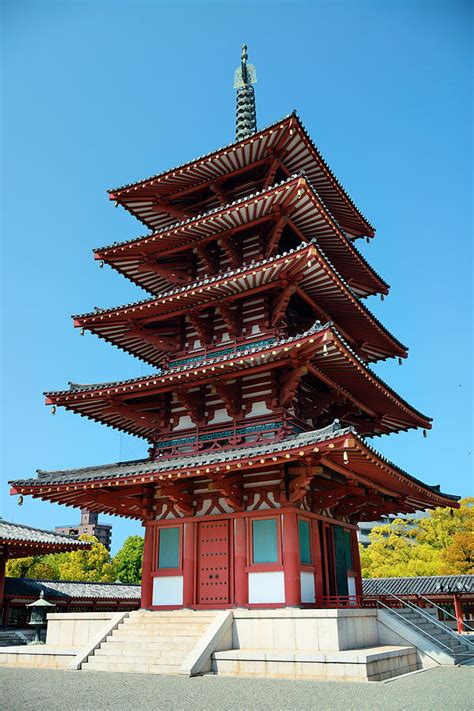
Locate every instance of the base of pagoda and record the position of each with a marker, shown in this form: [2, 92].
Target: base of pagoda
[264, 559]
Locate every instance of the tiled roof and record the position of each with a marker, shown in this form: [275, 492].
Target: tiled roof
[211, 359]
[182, 168]
[253, 350]
[137, 467]
[140, 467]
[221, 208]
[18, 532]
[344, 291]
[26, 587]
[422, 585]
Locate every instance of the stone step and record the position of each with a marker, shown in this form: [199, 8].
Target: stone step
[130, 667]
[162, 629]
[147, 635]
[161, 632]
[141, 639]
[136, 658]
[183, 643]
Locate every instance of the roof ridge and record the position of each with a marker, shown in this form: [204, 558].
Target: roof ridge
[41, 530]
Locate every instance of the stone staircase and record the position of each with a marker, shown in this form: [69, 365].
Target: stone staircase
[150, 642]
[448, 641]
[10, 638]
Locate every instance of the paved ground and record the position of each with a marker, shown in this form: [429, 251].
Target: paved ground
[442, 688]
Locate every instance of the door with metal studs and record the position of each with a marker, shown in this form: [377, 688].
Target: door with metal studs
[213, 563]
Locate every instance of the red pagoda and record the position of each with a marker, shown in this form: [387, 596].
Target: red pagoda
[261, 393]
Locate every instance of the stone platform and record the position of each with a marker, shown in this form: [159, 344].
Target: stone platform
[366, 664]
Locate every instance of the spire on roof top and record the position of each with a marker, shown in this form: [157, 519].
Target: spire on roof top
[245, 115]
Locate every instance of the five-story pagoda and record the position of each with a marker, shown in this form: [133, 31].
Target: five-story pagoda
[260, 394]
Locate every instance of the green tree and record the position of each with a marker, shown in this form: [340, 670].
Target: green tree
[440, 544]
[439, 528]
[394, 552]
[19, 567]
[128, 561]
[92, 565]
[458, 557]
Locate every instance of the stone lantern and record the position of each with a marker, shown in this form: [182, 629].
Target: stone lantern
[38, 611]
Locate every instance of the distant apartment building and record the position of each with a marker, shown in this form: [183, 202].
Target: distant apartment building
[89, 524]
[365, 527]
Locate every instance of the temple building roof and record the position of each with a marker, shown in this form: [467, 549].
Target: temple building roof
[306, 267]
[285, 141]
[321, 349]
[305, 212]
[77, 590]
[19, 540]
[340, 449]
[435, 585]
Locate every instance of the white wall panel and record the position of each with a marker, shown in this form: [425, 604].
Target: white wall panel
[307, 587]
[266, 587]
[168, 590]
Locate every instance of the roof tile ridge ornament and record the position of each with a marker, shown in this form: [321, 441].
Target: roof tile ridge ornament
[245, 111]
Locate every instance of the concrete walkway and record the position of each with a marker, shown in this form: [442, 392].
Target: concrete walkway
[31, 689]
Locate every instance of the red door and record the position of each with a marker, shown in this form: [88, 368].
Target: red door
[213, 563]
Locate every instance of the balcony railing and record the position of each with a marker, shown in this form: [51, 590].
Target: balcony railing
[233, 434]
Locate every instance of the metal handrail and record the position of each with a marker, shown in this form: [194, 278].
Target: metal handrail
[445, 612]
[431, 619]
[427, 634]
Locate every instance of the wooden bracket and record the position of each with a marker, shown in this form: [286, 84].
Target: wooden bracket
[219, 192]
[134, 414]
[177, 493]
[152, 336]
[289, 384]
[202, 326]
[231, 395]
[175, 275]
[301, 483]
[195, 404]
[280, 303]
[173, 210]
[274, 236]
[230, 489]
[233, 251]
[209, 255]
[232, 318]
[330, 496]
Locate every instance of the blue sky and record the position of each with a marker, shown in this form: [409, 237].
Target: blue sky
[100, 94]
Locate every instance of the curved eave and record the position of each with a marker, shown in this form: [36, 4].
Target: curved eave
[298, 152]
[317, 278]
[322, 346]
[344, 452]
[308, 214]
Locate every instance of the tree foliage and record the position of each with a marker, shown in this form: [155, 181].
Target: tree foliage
[128, 561]
[440, 544]
[93, 565]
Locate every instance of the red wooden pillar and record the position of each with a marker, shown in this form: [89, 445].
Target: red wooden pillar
[147, 567]
[291, 560]
[318, 562]
[240, 563]
[458, 613]
[189, 563]
[356, 562]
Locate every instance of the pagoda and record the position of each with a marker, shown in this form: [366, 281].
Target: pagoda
[261, 395]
